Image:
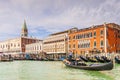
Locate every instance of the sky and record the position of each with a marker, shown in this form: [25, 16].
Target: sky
[44, 17]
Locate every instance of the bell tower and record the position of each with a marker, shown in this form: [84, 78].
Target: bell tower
[24, 32]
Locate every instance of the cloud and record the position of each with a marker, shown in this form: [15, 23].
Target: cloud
[51, 16]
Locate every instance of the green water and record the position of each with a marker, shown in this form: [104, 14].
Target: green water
[44, 70]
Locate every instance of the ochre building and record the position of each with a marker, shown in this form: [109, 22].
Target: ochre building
[103, 38]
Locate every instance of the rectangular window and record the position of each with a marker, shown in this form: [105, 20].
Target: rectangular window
[101, 43]
[11, 44]
[79, 36]
[101, 32]
[91, 34]
[94, 34]
[79, 46]
[94, 44]
[88, 45]
[74, 46]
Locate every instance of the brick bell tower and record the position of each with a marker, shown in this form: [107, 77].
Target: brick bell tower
[24, 32]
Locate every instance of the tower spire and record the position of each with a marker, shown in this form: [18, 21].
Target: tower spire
[24, 32]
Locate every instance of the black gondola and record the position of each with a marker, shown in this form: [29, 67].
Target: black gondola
[105, 59]
[117, 60]
[84, 58]
[91, 59]
[95, 67]
[99, 59]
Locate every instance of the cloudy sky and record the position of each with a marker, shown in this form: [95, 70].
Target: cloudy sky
[44, 17]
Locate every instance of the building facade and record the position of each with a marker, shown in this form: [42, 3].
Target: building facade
[56, 44]
[99, 38]
[16, 45]
[34, 48]
[12, 45]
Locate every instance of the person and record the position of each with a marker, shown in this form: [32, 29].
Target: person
[70, 55]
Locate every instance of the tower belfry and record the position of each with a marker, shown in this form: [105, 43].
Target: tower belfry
[24, 32]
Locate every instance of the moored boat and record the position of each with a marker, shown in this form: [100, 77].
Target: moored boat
[84, 58]
[6, 58]
[105, 59]
[99, 59]
[117, 59]
[91, 59]
[94, 66]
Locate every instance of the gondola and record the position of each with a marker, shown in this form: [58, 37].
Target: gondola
[105, 59]
[117, 60]
[94, 67]
[99, 59]
[91, 59]
[84, 58]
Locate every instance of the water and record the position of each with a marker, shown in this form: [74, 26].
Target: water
[44, 70]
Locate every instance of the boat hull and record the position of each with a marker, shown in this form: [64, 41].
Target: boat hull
[95, 67]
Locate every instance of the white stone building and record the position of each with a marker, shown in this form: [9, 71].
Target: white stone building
[56, 44]
[11, 45]
[34, 47]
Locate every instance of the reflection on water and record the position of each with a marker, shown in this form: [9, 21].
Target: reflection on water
[43, 70]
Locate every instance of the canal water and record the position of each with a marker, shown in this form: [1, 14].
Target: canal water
[52, 70]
